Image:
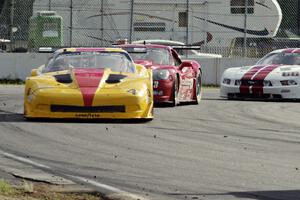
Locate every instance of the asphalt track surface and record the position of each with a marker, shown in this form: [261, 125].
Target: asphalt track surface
[217, 150]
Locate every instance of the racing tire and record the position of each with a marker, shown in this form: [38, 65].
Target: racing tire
[175, 100]
[198, 89]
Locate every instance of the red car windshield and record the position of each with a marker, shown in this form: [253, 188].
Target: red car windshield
[156, 55]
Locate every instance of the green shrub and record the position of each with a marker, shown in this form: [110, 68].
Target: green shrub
[6, 188]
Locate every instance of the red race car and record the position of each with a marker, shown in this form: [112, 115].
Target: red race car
[174, 80]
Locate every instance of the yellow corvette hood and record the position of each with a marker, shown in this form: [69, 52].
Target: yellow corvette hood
[90, 82]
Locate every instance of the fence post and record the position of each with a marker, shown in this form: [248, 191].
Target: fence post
[11, 19]
[187, 24]
[245, 29]
[298, 17]
[49, 5]
[102, 22]
[71, 22]
[131, 21]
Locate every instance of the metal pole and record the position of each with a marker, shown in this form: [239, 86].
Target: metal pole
[102, 24]
[187, 22]
[71, 22]
[206, 26]
[49, 5]
[131, 21]
[298, 17]
[245, 29]
[11, 34]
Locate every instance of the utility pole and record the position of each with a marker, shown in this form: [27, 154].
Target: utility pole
[71, 22]
[245, 29]
[131, 21]
[187, 22]
[102, 24]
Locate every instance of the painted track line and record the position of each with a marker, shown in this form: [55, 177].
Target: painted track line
[24, 160]
[113, 192]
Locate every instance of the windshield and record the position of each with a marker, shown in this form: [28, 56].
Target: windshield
[184, 52]
[281, 59]
[116, 61]
[156, 55]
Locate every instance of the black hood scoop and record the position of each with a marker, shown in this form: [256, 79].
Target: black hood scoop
[115, 78]
[63, 78]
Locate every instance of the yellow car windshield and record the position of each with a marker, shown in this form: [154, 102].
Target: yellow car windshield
[116, 61]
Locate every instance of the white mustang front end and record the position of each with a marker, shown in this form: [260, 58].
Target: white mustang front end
[276, 76]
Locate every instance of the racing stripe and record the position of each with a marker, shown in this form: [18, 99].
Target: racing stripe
[296, 51]
[88, 81]
[260, 77]
[245, 89]
[288, 50]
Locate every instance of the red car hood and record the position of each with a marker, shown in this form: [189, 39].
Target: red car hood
[149, 65]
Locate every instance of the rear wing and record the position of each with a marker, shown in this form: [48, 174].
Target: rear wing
[134, 49]
[47, 49]
[182, 50]
[186, 47]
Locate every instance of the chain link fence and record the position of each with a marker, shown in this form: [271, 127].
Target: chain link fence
[228, 27]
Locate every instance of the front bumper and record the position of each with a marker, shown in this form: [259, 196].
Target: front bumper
[162, 90]
[68, 103]
[273, 92]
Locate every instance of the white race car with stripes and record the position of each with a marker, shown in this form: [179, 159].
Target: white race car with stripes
[275, 76]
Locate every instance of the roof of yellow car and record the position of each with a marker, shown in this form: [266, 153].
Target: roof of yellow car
[90, 49]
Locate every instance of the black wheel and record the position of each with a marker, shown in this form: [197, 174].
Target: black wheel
[175, 89]
[198, 89]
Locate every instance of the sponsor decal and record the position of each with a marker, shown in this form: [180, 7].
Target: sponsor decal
[155, 84]
[87, 115]
[263, 32]
[187, 83]
[158, 92]
[262, 3]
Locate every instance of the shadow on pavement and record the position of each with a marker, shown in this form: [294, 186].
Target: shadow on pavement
[17, 117]
[169, 105]
[255, 195]
[6, 116]
[253, 100]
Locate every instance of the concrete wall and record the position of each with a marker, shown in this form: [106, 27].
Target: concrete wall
[213, 69]
[19, 65]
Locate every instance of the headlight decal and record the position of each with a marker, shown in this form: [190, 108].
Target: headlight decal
[267, 83]
[285, 74]
[238, 82]
[226, 81]
[132, 91]
[288, 82]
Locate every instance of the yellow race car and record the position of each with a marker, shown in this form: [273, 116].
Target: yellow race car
[91, 83]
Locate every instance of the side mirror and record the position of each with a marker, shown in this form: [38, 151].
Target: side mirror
[140, 69]
[34, 72]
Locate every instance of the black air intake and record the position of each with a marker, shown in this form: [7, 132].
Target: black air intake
[115, 78]
[88, 109]
[63, 78]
